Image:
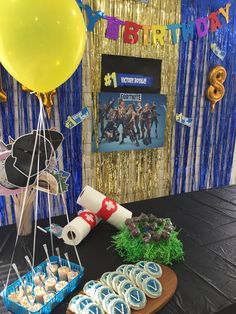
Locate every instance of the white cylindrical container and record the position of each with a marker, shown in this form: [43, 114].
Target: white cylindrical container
[79, 228]
[103, 207]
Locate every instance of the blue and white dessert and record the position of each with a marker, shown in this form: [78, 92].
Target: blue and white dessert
[80, 305]
[121, 268]
[127, 270]
[111, 277]
[141, 264]
[95, 288]
[135, 298]
[153, 269]
[93, 308]
[140, 278]
[134, 273]
[101, 293]
[152, 287]
[118, 306]
[124, 286]
[107, 300]
[104, 277]
[117, 281]
[74, 301]
[88, 287]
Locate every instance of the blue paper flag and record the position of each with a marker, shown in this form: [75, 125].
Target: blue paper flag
[77, 118]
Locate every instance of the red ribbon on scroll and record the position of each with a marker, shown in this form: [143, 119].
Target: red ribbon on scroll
[90, 218]
[109, 207]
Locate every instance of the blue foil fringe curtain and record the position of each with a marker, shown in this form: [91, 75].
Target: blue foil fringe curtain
[204, 159]
[20, 115]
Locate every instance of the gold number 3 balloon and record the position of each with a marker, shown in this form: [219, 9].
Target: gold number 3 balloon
[216, 91]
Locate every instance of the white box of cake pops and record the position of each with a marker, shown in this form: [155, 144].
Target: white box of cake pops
[43, 291]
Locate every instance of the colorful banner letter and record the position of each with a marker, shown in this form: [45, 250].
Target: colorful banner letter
[188, 31]
[202, 27]
[225, 12]
[158, 34]
[173, 28]
[146, 32]
[214, 21]
[93, 17]
[113, 27]
[131, 32]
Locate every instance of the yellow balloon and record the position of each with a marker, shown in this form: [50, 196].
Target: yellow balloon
[41, 41]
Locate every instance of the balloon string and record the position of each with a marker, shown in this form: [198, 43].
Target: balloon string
[37, 185]
[48, 189]
[62, 195]
[68, 221]
[23, 206]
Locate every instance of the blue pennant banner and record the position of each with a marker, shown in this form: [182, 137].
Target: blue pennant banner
[218, 52]
[184, 120]
[77, 118]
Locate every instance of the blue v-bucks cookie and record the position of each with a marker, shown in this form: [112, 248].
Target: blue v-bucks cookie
[153, 269]
[93, 308]
[152, 288]
[118, 306]
[135, 298]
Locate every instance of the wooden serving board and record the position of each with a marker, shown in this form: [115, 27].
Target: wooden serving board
[169, 285]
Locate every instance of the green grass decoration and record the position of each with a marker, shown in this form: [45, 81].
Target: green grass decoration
[134, 249]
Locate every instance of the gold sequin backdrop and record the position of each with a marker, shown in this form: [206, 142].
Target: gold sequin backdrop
[132, 175]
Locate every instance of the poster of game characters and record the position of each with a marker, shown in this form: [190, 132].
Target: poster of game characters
[131, 121]
[132, 113]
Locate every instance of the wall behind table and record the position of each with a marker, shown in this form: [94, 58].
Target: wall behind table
[134, 175]
[203, 155]
[233, 173]
[20, 115]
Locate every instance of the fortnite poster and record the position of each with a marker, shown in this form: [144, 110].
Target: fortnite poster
[130, 75]
[130, 121]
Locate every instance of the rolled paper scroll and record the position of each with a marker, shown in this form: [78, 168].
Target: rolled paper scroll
[79, 228]
[103, 207]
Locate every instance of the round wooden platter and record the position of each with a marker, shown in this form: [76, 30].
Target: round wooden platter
[169, 285]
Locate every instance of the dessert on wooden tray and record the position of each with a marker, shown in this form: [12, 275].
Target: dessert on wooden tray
[143, 288]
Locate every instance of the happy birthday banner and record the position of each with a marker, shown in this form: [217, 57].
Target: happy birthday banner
[156, 32]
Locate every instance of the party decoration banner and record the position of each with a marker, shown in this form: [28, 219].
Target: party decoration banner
[130, 121]
[62, 177]
[218, 52]
[22, 166]
[184, 120]
[77, 118]
[133, 32]
[55, 229]
[130, 75]
[119, 79]
[216, 90]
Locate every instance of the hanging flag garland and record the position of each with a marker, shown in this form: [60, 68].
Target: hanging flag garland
[134, 32]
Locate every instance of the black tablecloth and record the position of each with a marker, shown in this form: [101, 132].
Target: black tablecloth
[207, 277]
